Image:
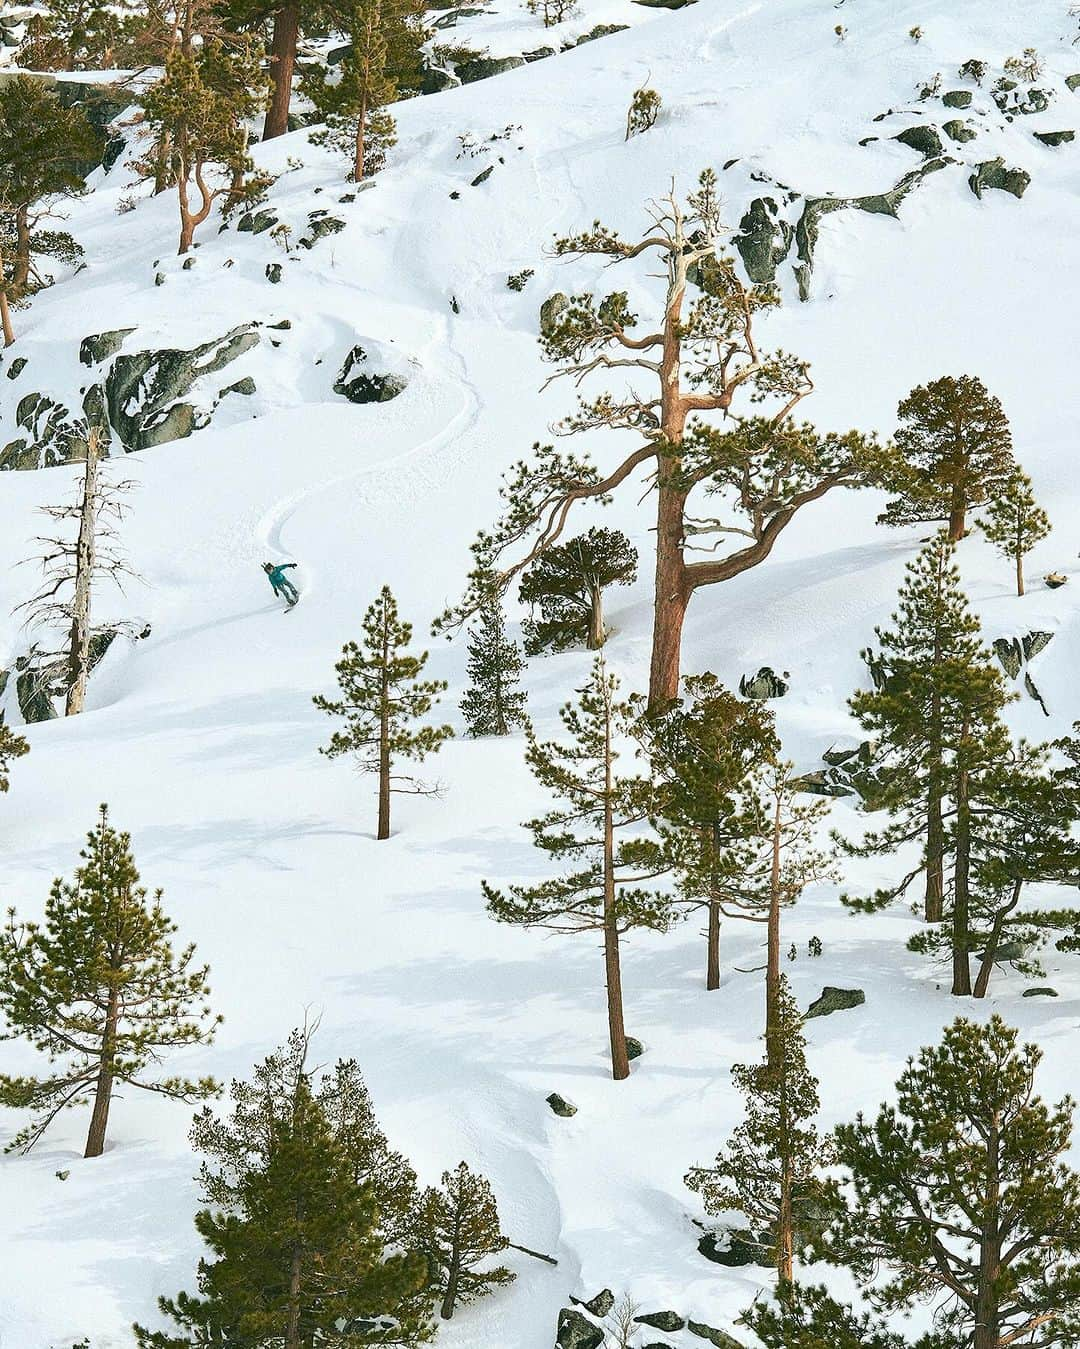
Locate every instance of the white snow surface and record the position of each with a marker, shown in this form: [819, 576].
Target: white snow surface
[203, 737]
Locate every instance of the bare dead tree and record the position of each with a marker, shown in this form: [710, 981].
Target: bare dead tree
[72, 567]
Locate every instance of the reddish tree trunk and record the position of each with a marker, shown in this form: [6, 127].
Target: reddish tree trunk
[282, 63]
[961, 986]
[712, 967]
[99, 1119]
[773, 1038]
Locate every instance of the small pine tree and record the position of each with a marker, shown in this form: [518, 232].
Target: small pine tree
[567, 582]
[955, 453]
[99, 990]
[958, 1193]
[769, 1171]
[1014, 523]
[492, 704]
[12, 746]
[935, 719]
[382, 695]
[704, 749]
[457, 1228]
[597, 831]
[300, 1256]
[353, 106]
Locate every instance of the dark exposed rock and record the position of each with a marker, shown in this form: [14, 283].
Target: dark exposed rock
[53, 435]
[720, 1338]
[634, 1048]
[1040, 993]
[436, 80]
[665, 1320]
[244, 386]
[576, 1332]
[959, 131]
[665, 4]
[924, 139]
[560, 1106]
[993, 174]
[1054, 138]
[734, 1249]
[601, 30]
[1025, 102]
[256, 222]
[142, 389]
[765, 684]
[483, 176]
[451, 17]
[957, 98]
[540, 54]
[159, 278]
[1072, 83]
[100, 346]
[32, 689]
[599, 1305]
[320, 226]
[1034, 642]
[881, 203]
[764, 240]
[835, 1000]
[551, 311]
[1009, 654]
[17, 366]
[484, 67]
[359, 386]
[273, 272]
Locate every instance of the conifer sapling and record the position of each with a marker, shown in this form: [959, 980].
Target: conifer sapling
[493, 703]
[98, 988]
[1014, 523]
[457, 1229]
[382, 695]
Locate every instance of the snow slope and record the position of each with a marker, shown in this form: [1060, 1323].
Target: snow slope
[203, 737]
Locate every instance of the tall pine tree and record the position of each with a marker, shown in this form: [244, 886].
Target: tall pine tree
[493, 703]
[598, 831]
[955, 453]
[299, 1254]
[770, 1169]
[457, 1229]
[959, 1195]
[934, 716]
[704, 750]
[382, 695]
[1014, 523]
[99, 990]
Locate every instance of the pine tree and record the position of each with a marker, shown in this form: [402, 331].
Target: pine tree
[567, 583]
[935, 720]
[100, 991]
[956, 449]
[83, 35]
[1022, 833]
[597, 831]
[808, 1318]
[704, 750]
[41, 147]
[353, 104]
[299, 1254]
[382, 695]
[12, 746]
[493, 704]
[1014, 523]
[770, 1168]
[715, 476]
[211, 86]
[957, 1192]
[782, 860]
[457, 1228]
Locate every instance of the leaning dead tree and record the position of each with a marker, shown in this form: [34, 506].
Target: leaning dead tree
[725, 484]
[72, 563]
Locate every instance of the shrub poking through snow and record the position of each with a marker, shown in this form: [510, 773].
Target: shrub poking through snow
[643, 111]
[552, 11]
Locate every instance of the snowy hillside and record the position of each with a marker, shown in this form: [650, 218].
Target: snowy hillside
[202, 736]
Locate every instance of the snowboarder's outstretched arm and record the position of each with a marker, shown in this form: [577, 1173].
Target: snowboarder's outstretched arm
[284, 566]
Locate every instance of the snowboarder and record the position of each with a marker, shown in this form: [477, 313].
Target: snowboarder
[281, 584]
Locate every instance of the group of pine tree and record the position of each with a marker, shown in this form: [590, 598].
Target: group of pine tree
[201, 74]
